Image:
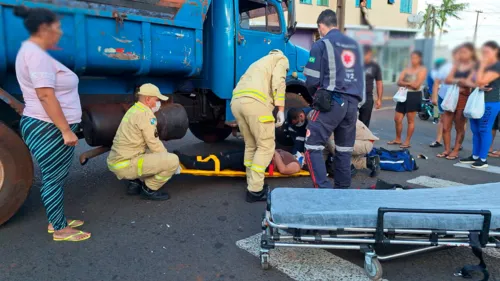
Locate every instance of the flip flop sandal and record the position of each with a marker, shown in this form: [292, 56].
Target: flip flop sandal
[72, 224]
[435, 144]
[494, 154]
[72, 238]
[405, 146]
[442, 155]
[394, 143]
[451, 157]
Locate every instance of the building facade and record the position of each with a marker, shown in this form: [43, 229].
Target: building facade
[392, 36]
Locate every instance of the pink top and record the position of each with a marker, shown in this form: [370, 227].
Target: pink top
[35, 68]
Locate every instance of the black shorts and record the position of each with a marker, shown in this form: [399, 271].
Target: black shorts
[413, 103]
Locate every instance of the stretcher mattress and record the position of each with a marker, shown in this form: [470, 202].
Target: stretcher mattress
[310, 208]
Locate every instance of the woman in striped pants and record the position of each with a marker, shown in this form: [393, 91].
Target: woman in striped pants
[51, 115]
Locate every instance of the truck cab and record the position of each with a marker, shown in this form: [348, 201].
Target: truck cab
[236, 34]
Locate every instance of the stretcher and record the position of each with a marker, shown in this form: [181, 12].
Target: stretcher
[369, 220]
[217, 172]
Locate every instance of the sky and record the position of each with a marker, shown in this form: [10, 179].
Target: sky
[461, 30]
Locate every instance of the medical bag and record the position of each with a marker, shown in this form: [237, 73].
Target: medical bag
[395, 160]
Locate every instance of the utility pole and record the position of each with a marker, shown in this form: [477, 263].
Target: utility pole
[477, 21]
[341, 14]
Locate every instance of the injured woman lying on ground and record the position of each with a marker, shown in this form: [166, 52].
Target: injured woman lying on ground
[283, 162]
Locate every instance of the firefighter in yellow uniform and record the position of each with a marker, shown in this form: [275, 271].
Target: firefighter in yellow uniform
[259, 91]
[128, 158]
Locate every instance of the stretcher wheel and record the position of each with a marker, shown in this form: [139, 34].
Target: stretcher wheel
[373, 268]
[264, 260]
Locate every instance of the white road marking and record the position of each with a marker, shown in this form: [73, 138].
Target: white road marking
[433, 182]
[490, 169]
[304, 264]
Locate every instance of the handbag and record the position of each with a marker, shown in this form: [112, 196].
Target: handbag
[400, 95]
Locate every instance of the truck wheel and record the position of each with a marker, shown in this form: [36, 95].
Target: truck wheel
[16, 172]
[208, 132]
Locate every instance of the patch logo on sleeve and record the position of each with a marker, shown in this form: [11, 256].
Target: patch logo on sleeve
[312, 59]
[153, 121]
[348, 58]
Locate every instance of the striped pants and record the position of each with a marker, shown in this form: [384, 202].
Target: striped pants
[46, 143]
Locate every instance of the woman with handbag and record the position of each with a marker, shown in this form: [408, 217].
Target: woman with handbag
[488, 79]
[411, 78]
[461, 73]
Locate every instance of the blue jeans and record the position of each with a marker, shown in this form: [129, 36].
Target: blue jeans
[481, 130]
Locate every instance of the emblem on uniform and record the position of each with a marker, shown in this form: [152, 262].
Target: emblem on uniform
[348, 58]
[312, 59]
[156, 133]
[153, 121]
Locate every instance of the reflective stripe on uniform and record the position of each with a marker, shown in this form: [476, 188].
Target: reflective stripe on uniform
[247, 163]
[314, 147]
[331, 65]
[251, 92]
[266, 118]
[300, 138]
[160, 178]
[311, 72]
[119, 165]
[344, 148]
[279, 97]
[139, 166]
[136, 107]
[258, 169]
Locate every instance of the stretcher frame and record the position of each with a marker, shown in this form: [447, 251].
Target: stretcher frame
[367, 239]
[217, 172]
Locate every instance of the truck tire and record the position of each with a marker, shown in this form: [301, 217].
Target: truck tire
[208, 132]
[16, 172]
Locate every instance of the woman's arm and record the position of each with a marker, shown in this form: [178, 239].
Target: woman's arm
[52, 106]
[401, 82]
[469, 81]
[435, 90]
[485, 77]
[421, 75]
[450, 79]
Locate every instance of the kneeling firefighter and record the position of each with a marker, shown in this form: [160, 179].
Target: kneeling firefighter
[259, 90]
[128, 158]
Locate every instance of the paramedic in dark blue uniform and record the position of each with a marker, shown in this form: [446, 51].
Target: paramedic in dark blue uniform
[335, 72]
[296, 125]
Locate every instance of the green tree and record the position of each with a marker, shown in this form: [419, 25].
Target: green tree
[448, 9]
[432, 20]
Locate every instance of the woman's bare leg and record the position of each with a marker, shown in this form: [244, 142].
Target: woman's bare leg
[410, 117]
[447, 118]
[398, 120]
[460, 129]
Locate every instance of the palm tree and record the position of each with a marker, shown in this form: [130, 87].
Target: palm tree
[432, 19]
[448, 9]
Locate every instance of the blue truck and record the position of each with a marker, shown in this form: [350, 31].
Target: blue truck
[193, 50]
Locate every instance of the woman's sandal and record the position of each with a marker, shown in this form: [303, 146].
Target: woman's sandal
[452, 157]
[494, 154]
[73, 237]
[72, 224]
[442, 155]
[405, 146]
[394, 143]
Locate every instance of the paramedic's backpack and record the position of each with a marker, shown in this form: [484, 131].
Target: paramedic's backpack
[395, 160]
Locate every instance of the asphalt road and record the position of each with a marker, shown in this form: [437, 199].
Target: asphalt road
[193, 235]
